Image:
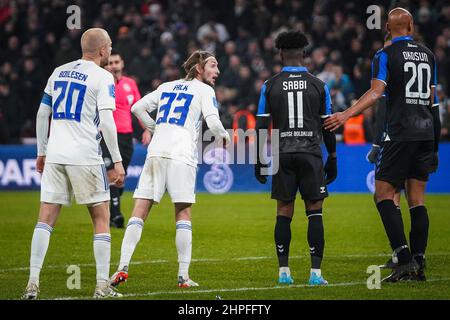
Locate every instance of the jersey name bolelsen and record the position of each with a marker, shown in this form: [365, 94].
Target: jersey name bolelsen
[77, 90]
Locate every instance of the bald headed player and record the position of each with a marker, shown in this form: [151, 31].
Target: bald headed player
[406, 70]
[79, 97]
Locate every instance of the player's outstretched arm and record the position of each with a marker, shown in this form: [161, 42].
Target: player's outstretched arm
[109, 131]
[380, 116]
[329, 139]
[368, 99]
[42, 124]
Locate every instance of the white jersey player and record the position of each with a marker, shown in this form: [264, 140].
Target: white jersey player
[79, 97]
[172, 155]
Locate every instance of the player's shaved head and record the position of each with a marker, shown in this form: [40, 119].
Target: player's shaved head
[400, 22]
[93, 39]
[96, 46]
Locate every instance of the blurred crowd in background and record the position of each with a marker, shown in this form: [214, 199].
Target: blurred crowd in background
[155, 37]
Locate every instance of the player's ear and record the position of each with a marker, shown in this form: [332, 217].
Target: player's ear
[102, 51]
[199, 68]
[387, 28]
[411, 28]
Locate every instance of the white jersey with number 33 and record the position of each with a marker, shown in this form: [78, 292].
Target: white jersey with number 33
[76, 91]
[181, 105]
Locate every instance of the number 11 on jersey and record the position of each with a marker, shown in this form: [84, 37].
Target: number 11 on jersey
[292, 106]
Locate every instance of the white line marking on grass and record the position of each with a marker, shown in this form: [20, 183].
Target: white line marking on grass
[80, 265]
[221, 260]
[189, 291]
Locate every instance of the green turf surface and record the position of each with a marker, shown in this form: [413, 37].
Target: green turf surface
[233, 250]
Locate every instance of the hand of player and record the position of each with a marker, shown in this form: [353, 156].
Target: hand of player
[372, 155]
[226, 139]
[262, 178]
[146, 137]
[40, 163]
[120, 174]
[334, 121]
[330, 169]
[435, 162]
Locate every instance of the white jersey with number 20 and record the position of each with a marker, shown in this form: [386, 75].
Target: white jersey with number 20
[76, 91]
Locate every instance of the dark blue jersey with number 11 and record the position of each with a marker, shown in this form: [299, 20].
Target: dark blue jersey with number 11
[296, 101]
[409, 71]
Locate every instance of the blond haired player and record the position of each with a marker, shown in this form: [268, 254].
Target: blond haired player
[172, 155]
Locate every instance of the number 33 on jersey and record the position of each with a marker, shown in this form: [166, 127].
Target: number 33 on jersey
[181, 105]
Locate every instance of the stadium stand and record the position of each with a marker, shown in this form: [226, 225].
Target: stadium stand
[154, 37]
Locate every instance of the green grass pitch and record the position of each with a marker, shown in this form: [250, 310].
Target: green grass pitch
[233, 250]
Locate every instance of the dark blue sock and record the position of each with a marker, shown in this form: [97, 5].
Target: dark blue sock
[283, 239]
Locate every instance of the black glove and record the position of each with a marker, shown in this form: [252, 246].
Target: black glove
[330, 169]
[435, 162]
[372, 155]
[260, 177]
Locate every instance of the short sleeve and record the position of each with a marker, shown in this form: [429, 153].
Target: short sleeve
[434, 82]
[48, 87]
[151, 100]
[209, 102]
[326, 109]
[47, 95]
[106, 97]
[263, 106]
[379, 66]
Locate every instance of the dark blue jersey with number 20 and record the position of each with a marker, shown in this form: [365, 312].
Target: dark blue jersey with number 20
[409, 71]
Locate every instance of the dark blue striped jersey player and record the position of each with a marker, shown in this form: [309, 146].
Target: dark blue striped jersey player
[296, 101]
[410, 137]
[408, 69]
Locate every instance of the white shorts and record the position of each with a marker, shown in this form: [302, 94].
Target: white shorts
[160, 174]
[59, 182]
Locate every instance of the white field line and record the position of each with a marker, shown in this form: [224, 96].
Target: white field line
[221, 260]
[181, 291]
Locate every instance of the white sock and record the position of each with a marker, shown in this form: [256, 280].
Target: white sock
[317, 272]
[183, 241]
[102, 254]
[39, 246]
[285, 270]
[130, 240]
